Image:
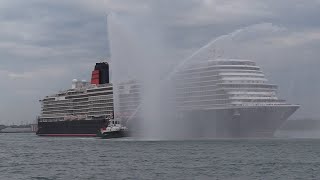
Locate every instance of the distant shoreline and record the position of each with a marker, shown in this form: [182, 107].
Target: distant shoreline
[16, 132]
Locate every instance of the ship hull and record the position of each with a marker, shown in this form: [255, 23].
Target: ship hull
[77, 128]
[244, 122]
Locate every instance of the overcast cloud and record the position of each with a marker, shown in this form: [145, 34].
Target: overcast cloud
[45, 44]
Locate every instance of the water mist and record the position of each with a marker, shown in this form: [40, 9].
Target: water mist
[138, 53]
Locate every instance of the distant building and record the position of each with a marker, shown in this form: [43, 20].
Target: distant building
[16, 130]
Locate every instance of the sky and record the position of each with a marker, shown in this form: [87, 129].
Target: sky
[45, 44]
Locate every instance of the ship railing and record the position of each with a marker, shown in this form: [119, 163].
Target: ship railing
[83, 88]
[100, 85]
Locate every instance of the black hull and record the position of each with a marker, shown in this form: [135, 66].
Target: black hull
[80, 128]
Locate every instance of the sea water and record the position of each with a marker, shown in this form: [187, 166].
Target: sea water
[26, 156]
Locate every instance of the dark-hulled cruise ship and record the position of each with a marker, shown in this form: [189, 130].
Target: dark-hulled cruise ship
[80, 111]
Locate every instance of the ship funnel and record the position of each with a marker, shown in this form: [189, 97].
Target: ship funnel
[100, 75]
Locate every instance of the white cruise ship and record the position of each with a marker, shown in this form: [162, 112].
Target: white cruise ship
[80, 111]
[221, 98]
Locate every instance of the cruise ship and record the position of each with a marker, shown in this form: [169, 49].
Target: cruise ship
[80, 111]
[220, 98]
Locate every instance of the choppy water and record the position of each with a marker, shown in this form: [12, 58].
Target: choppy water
[26, 156]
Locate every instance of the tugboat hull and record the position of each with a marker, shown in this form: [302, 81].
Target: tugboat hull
[114, 134]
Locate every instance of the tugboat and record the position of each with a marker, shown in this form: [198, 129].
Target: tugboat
[114, 130]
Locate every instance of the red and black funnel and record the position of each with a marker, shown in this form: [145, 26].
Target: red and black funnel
[100, 75]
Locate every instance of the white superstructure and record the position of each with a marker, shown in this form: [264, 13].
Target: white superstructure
[224, 83]
[129, 98]
[83, 102]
